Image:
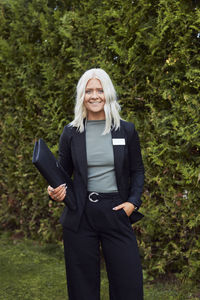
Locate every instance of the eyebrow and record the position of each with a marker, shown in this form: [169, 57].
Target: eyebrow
[94, 89]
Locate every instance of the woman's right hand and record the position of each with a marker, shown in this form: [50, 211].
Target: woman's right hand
[57, 194]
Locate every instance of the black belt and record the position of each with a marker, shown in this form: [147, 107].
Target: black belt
[95, 197]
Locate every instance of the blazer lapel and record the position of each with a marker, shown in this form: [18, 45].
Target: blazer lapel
[118, 151]
[81, 155]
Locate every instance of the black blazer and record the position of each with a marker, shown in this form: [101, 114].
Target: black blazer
[128, 163]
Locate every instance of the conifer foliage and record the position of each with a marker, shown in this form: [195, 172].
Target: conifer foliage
[151, 51]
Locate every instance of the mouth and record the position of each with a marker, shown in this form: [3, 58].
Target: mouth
[95, 102]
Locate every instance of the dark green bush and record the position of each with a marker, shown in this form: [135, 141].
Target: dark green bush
[150, 49]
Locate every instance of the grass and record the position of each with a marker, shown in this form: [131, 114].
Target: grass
[33, 271]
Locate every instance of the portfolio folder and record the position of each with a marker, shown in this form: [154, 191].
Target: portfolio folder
[52, 171]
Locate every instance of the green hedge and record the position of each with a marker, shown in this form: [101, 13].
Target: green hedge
[150, 49]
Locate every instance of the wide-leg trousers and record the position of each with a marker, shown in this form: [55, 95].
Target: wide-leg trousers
[101, 225]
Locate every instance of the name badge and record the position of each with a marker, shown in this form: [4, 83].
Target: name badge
[118, 142]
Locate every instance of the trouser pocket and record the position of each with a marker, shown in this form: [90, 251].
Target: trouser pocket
[120, 214]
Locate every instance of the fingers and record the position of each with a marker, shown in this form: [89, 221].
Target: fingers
[61, 195]
[50, 190]
[126, 206]
[119, 206]
[57, 194]
[59, 188]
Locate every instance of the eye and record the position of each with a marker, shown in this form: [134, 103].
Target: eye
[88, 92]
[100, 91]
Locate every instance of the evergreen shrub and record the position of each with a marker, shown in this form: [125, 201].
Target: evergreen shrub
[150, 50]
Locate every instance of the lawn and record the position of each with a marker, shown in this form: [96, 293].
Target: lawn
[33, 271]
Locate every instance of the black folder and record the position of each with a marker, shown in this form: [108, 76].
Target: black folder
[52, 171]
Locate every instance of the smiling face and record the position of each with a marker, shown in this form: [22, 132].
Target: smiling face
[94, 100]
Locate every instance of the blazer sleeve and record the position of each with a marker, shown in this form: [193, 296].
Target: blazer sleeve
[64, 154]
[136, 168]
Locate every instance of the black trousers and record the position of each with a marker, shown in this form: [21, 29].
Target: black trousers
[112, 229]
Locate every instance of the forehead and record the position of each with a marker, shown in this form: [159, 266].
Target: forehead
[94, 83]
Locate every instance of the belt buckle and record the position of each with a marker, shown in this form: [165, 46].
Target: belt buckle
[93, 193]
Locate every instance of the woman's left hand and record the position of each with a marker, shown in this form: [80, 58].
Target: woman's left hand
[128, 207]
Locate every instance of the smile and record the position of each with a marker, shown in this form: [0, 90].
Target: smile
[95, 102]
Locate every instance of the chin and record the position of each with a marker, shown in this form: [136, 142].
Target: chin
[96, 109]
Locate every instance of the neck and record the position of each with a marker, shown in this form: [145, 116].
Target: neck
[96, 116]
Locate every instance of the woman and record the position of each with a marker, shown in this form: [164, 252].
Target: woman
[102, 152]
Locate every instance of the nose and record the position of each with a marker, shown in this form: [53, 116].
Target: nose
[94, 95]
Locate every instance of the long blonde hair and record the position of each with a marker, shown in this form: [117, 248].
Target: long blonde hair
[111, 106]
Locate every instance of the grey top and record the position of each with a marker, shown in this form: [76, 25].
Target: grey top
[100, 158]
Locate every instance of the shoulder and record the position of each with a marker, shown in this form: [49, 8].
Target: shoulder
[129, 127]
[69, 130]
[67, 134]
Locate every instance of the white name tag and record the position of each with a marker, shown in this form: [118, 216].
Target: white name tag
[118, 141]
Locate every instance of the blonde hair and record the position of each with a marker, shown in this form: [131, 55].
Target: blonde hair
[111, 107]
